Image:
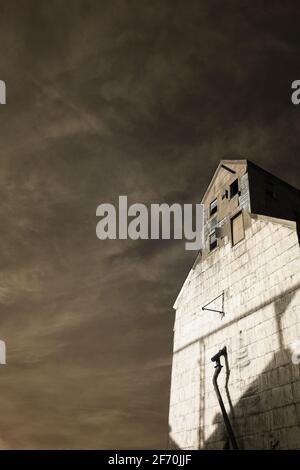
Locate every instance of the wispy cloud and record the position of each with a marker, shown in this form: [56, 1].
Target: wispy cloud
[108, 98]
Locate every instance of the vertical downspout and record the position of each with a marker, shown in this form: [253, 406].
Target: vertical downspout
[218, 368]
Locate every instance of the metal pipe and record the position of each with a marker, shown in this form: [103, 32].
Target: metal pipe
[226, 385]
[218, 368]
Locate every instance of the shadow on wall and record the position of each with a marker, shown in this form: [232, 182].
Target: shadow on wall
[266, 416]
[172, 445]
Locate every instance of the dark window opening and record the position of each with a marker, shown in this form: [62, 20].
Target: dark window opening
[234, 188]
[213, 207]
[213, 242]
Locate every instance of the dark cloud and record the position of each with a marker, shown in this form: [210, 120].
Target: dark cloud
[104, 99]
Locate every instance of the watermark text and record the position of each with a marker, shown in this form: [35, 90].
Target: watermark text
[161, 221]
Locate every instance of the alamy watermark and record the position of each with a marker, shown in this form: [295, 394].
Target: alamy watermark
[2, 352]
[161, 221]
[295, 97]
[2, 92]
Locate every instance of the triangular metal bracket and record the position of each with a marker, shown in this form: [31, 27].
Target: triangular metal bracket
[222, 313]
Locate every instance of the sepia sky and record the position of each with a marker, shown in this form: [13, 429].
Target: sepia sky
[108, 98]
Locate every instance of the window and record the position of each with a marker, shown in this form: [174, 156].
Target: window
[237, 228]
[234, 188]
[213, 242]
[213, 207]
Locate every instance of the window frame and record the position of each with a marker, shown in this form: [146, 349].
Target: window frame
[215, 209]
[215, 242]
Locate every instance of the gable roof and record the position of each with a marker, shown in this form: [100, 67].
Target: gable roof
[224, 165]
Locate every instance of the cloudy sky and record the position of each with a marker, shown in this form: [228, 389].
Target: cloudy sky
[104, 98]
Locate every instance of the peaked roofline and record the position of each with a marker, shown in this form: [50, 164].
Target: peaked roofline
[225, 164]
[222, 164]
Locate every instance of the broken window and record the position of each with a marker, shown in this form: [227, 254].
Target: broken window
[234, 188]
[213, 242]
[213, 207]
[237, 228]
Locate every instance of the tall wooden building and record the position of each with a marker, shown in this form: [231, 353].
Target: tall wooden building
[241, 298]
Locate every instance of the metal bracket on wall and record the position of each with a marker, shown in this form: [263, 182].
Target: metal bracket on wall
[222, 313]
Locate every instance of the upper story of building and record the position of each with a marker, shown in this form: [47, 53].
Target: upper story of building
[238, 188]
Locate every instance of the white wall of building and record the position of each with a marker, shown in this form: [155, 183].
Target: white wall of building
[260, 279]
